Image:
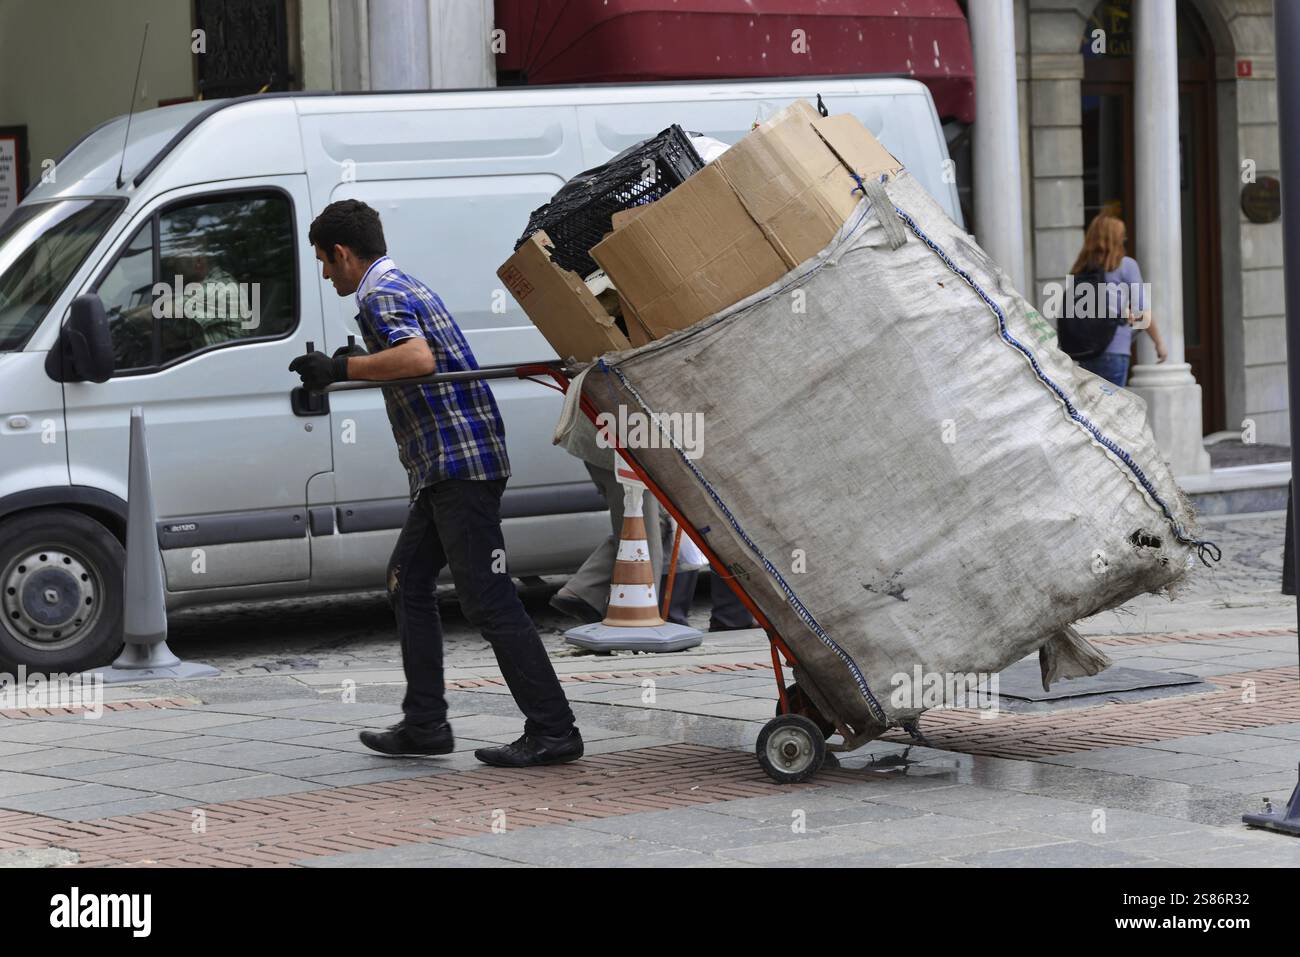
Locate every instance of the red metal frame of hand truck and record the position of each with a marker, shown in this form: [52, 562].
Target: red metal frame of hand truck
[774, 638]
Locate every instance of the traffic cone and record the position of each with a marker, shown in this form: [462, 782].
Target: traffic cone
[145, 655]
[632, 598]
[632, 621]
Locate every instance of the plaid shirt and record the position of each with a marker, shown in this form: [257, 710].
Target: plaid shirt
[447, 431]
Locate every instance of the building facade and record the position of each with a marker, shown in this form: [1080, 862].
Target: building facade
[1082, 121]
[1162, 111]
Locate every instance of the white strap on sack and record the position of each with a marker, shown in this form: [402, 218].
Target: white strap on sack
[570, 409]
[884, 207]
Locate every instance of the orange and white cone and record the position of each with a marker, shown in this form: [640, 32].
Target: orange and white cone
[632, 621]
[632, 596]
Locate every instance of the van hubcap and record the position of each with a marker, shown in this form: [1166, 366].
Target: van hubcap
[50, 598]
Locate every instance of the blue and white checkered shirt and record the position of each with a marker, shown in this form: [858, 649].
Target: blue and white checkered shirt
[447, 431]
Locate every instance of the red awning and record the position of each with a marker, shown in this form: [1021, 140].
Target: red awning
[591, 41]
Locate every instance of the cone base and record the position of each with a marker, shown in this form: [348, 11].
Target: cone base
[151, 662]
[659, 638]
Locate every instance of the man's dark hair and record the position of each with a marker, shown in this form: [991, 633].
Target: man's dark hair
[351, 223]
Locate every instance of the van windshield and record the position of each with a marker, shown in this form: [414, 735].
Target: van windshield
[41, 246]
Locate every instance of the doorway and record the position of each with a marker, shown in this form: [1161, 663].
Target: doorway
[1108, 183]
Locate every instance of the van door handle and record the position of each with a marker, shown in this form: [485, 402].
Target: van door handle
[305, 402]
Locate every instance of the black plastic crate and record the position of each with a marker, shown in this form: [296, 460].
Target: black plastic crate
[581, 213]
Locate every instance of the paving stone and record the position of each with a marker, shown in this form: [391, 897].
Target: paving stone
[12, 747]
[48, 730]
[778, 808]
[1224, 743]
[1120, 824]
[924, 827]
[1277, 785]
[268, 705]
[1285, 853]
[1215, 775]
[240, 789]
[250, 754]
[349, 713]
[1280, 755]
[689, 828]
[556, 846]
[183, 720]
[16, 783]
[141, 805]
[167, 775]
[87, 770]
[743, 710]
[410, 855]
[275, 729]
[1179, 842]
[1013, 809]
[75, 795]
[127, 739]
[1290, 732]
[1068, 854]
[334, 762]
[45, 758]
[812, 846]
[179, 743]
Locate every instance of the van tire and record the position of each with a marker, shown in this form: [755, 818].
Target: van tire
[55, 562]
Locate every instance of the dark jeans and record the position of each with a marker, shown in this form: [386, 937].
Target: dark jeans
[728, 614]
[1111, 366]
[458, 524]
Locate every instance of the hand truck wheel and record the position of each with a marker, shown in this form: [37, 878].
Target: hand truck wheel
[790, 748]
[801, 704]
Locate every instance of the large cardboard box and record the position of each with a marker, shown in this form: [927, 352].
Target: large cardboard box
[767, 204]
[559, 303]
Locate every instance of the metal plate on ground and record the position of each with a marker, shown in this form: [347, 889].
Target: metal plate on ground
[1024, 682]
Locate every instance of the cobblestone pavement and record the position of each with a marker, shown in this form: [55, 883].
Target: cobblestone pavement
[262, 767]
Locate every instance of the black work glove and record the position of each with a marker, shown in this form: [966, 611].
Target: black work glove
[318, 370]
[356, 349]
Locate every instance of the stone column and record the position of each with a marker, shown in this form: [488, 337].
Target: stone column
[412, 44]
[399, 44]
[1173, 398]
[999, 221]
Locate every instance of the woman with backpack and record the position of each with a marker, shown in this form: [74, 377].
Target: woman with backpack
[1102, 261]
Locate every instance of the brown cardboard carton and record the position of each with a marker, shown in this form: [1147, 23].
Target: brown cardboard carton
[771, 201]
[559, 303]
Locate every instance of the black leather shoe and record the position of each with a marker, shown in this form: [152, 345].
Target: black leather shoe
[533, 750]
[402, 739]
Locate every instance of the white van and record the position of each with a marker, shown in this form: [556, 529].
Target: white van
[258, 494]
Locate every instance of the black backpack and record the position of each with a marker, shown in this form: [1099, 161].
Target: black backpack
[1083, 338]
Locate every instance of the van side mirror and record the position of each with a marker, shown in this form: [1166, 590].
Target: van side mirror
[85, 341]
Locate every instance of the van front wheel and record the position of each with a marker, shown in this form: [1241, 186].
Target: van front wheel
[60, 592]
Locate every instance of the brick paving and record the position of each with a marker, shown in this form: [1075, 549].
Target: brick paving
[133, 704]
[273, 831]
[1275, 701]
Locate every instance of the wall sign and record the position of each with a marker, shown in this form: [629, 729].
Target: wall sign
[13, 168]
[1261, 200]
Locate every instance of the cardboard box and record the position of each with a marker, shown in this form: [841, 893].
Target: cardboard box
[770, 202]
[559, 303]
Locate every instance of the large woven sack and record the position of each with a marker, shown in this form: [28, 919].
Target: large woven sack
[902, 469]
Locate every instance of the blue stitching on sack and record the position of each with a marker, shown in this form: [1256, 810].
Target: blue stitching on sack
[798, 606]
[1202, 547]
